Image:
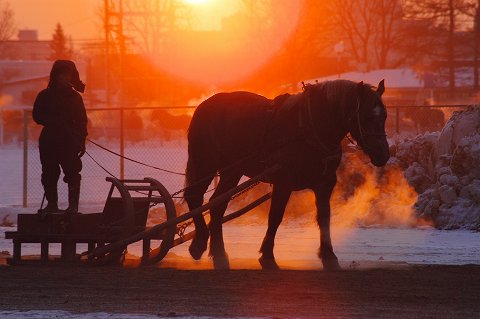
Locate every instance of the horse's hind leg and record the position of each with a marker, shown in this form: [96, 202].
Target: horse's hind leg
[280, 198]
[217, 247]
[194, 198]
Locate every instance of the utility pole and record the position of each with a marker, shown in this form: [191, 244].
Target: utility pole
[451, 47]
[124, 18]
[476, 45]
[114, 37]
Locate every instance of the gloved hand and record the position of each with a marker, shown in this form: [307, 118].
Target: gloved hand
[82, 150]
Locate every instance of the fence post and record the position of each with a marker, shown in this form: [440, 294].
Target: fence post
[397, 119]
[122, 142]
[25, 158]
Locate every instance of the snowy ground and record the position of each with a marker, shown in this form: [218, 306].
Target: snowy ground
[296, 249]
[296, 244]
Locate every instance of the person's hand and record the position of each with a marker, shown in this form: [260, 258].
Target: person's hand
[82, 151]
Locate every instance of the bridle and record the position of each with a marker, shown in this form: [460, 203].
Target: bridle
[313, 132]
[361, 132]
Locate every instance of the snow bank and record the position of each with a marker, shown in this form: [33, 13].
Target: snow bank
[444, 168]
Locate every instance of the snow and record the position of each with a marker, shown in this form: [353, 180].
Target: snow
[444, 168]
[404, 78]
[394, 78]
[447, 180]
[448, 195]
[297, 244]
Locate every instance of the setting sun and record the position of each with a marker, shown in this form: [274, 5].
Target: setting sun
[195, 1]
[226, 35]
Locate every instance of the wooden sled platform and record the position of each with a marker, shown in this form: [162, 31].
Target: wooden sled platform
[121, 223]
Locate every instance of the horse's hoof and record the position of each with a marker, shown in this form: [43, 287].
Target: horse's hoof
[331, 265]
[268, 263]
[329, 260]
[197, 248]
[221, 263]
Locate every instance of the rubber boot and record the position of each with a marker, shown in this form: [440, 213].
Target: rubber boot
[51, 195]
[73, 198]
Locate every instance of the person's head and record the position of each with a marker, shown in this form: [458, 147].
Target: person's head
[65, 73]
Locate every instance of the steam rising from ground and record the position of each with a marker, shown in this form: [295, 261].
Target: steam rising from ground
[367, 196]
[364, 196]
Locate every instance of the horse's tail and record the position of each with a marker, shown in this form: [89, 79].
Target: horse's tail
[200, 152]
[190, 171]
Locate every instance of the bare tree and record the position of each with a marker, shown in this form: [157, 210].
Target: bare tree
[144, 26]
[388, 32]
[476, 41]
[371, 29]
[7, 23]
[309, 44]
[446, 16]
[473, 14]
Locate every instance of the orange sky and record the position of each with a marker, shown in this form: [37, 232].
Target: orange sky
[81, 18]
[219, 57]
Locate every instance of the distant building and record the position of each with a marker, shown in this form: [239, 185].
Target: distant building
[20, 81]
[407, 87]
[27, 47]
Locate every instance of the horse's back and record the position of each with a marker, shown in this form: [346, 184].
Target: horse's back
[229, 124]
[232, 105]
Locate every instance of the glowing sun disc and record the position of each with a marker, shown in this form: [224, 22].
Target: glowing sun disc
[195, 1]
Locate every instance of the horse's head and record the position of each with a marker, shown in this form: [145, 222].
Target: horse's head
[368, 123]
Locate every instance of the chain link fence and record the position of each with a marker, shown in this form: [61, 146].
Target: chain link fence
[411, 120]
[154, 136]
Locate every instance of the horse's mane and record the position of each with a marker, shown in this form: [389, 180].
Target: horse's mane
[342, 95]
[337, 93]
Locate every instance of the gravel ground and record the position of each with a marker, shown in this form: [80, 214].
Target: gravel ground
[386, 292]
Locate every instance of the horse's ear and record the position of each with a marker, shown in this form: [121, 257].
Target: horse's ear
[381, 88]
[359, 87]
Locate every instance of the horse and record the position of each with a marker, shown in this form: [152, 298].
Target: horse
[425, 118]
[242, 133]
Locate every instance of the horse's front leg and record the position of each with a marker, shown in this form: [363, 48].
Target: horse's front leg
[217, 247]
[280, 198]
[322, 195]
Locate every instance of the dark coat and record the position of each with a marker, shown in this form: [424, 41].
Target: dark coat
[62, 113]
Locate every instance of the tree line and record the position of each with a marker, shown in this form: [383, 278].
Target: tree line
[430, 35]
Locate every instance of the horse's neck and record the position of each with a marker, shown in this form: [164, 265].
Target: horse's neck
[331, 110]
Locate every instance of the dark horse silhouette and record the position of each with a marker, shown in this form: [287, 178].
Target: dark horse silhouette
[242, 133]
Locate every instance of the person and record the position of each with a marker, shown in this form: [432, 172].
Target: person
[60, 109]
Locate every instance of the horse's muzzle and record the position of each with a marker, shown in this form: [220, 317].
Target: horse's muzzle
[380, 156]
